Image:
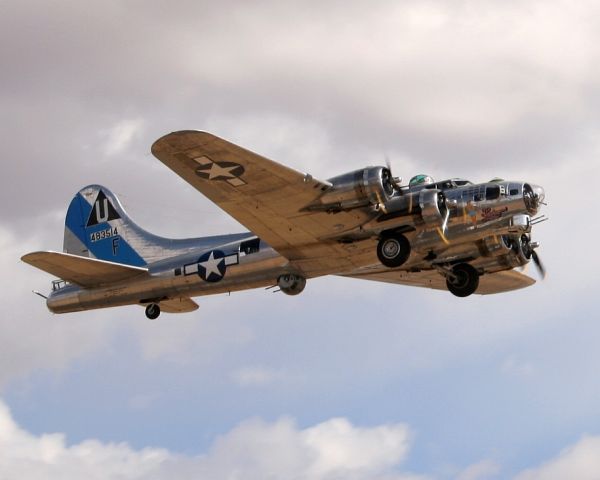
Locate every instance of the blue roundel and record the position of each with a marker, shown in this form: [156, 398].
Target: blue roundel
[211, 266]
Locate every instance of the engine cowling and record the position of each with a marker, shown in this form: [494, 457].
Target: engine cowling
[371, 185]
[429, 206]
[291, 284]
[519, 250]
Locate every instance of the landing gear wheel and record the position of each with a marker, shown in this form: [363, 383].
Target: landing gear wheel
[153, 311]
[393, 250]
[464, 281]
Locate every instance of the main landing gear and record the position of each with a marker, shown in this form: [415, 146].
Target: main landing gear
[462, 280]
[153, 311]
[393, 249]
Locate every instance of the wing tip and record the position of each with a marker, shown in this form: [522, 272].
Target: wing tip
[167, 141]
[31, 257]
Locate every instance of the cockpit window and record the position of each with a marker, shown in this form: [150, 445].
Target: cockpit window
[420, 180]
[492, 192]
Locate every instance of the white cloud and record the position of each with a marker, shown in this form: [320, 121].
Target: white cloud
[332, 449]
[23, 455]
[33, 337]
[580, 461]
[120, 136]
[468, 69]
[254, 449]
[342, 448]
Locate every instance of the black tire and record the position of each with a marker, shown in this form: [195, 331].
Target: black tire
[393, 250]
[465, 281]
[153, 311]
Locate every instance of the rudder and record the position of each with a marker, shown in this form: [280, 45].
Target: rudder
[97, 226]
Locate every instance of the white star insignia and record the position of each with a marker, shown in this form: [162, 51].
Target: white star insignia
[217, 171]
[211, 265]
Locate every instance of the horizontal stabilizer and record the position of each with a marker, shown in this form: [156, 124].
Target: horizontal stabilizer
[178, 305]
[87, 272]
[490, 283]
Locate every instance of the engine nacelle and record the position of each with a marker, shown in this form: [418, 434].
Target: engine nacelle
[291, 284]
[371, 185]
[427, 205]
[495, 246]
[520, 250]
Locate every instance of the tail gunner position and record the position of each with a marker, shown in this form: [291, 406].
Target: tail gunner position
[455, 235]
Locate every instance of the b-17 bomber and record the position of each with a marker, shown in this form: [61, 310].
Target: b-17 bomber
[450, 235]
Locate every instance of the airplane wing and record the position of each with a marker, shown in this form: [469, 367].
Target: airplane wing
[267, 198]
[498, 282]
[178, 305]
[87, 272]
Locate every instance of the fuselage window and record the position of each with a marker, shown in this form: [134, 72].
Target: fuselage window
[250, 246]
[479, 193]
[514, 189]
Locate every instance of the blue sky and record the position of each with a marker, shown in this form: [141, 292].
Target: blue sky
[353, 380]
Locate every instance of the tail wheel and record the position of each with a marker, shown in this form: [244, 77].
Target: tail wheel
[153, 311]
[393, 250]
[463, 281]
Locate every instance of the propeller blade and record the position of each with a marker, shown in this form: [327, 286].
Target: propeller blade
[538, 263]
[396, 181]
[445, 224]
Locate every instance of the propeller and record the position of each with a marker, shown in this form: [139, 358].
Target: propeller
[395, 181]
[529, 251]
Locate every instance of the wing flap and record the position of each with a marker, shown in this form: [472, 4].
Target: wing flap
[87, 272]
[490, 283]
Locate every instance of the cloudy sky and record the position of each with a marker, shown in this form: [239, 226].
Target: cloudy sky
[348, 380]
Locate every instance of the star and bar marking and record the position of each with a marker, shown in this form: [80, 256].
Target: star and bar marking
[211, 266]
[229, 172]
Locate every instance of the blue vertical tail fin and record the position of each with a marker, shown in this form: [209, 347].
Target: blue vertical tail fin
[97, 226]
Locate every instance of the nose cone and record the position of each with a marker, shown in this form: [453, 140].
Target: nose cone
[533, 196]
[539, 193]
